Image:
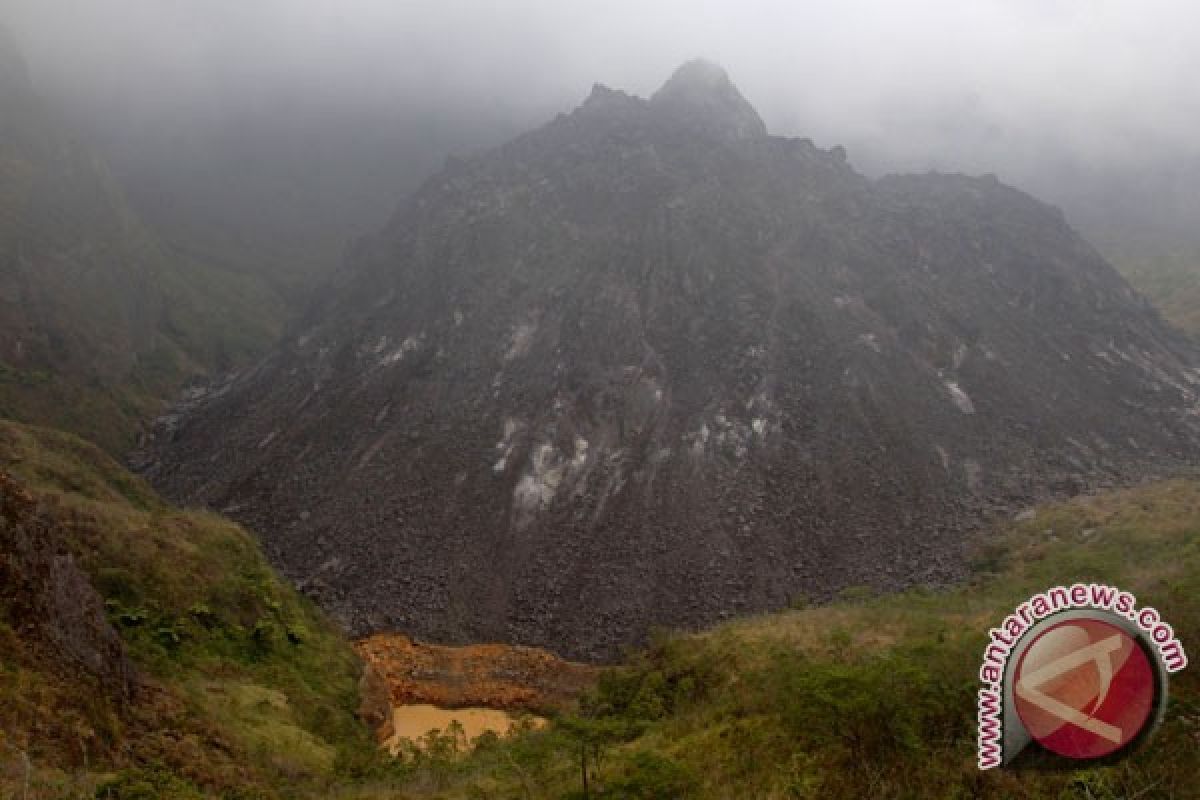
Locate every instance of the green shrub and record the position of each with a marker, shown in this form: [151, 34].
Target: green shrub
[154, 782]
[649, 776]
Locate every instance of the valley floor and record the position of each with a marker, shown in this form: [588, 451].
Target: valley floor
[870, 696]
[243, 690]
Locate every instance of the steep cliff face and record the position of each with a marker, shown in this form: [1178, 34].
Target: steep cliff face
[99, 322]
[49, 602]
[77, 281]
[650, 365]
[154, 643]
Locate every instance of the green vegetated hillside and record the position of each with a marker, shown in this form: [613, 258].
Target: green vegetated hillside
[151, 652]
[99, 322]
[243, 690]
[869, 696]
[1168, 276]
[1160, 261]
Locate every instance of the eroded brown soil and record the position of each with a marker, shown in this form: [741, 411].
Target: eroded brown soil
[402, 672]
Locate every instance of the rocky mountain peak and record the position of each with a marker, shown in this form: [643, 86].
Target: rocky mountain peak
[610, 103]
[701, 93]
[603, 94]
[617, 374]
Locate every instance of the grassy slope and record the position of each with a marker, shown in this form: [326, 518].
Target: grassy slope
[248, 687]
[869, 697]
[1168, 275]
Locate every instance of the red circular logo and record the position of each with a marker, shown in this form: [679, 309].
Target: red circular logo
[1084, 688]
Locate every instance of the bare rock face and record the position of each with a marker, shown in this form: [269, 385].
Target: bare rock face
[701, 94]
[650, 365]
[47, 599]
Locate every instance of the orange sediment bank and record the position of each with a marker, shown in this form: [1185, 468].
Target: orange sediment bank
[409, 684]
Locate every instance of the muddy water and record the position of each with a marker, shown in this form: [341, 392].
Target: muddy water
[416, 720]
[411, 688]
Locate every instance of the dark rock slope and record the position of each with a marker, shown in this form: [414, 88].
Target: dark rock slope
[650, 365]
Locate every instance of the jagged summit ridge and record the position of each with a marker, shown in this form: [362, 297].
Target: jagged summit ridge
[603, 96]
[698, 98]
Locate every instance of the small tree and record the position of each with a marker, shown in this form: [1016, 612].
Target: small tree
[590, 738]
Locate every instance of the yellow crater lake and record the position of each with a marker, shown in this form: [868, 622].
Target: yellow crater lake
[416, 720]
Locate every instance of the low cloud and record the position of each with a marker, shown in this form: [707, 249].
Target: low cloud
[991, 85]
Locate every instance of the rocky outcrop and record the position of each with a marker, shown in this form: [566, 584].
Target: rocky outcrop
[48, 601]
[651, 365]
[701, 96]
[401, 671]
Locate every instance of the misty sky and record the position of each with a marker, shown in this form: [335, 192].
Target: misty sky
[978, 85]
